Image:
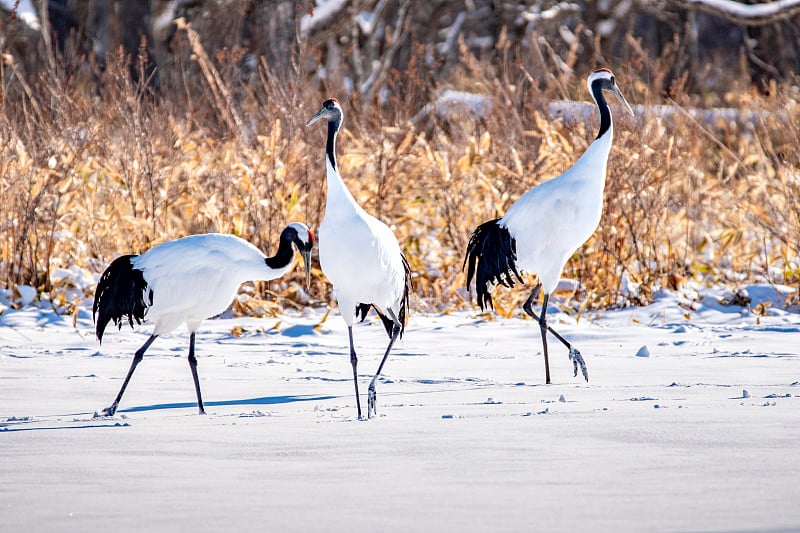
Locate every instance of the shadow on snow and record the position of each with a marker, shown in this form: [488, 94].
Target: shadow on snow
[30, 423]
[266, 400]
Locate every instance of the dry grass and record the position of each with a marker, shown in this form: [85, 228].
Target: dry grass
[93, 171]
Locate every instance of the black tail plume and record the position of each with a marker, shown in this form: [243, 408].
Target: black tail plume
[120, 294]
[492, 255]
[361, 314]
[402, 315]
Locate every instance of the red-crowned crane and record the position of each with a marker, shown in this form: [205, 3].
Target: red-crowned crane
[360, 256]
[546, 225]
[186, 281]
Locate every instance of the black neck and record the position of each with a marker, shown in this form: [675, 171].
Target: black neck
[605, 112]
[283, 257]
[330, 146]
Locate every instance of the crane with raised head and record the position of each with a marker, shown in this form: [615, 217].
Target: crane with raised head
[546, 225]
[361, 257]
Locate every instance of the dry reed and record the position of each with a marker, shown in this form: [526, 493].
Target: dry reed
[93, 168]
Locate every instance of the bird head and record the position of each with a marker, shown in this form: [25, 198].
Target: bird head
[303, 240]
[606, 79]
[331, 110]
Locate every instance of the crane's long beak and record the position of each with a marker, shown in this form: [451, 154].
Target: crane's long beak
[622, 100]
[320, 114]
[306, 255]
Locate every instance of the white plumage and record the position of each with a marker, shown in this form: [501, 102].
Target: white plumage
[360, 256]
[358, 253]
[197, 277]
[547, 224]
[186, 281]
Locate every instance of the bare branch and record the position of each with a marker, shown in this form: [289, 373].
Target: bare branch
[322, 14]
[222, 96]
[749, 15]
[381, 68]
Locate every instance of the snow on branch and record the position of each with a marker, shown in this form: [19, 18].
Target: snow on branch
[24, 10]
[452, 103]
[534, 15]
[748, 14]
[324, 11]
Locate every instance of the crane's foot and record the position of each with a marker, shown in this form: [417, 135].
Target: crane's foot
[372, 398]
[108, 411]
[577, 359]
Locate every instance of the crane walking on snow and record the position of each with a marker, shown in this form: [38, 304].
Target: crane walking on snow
[186, 281]
[544, 227]
[360, 256]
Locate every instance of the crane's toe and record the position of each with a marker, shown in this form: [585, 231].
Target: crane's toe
[372, 398]
[108, 411]
[577, 359]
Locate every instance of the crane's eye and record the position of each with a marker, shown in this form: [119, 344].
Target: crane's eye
[613, 81]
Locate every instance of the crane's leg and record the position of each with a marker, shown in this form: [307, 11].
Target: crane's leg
[193, 366]
[543, 329]
[137, 358]
[574, 355]
[354, 362]
[372, 395]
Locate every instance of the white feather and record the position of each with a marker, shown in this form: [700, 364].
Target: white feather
[360, 256]
[552, 220]
[197, 277]
[358, 253]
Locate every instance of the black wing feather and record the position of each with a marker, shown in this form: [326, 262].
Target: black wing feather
[491, 259]
[120, 295]
[388, 323]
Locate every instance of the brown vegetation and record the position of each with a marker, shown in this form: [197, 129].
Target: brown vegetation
[96, 162]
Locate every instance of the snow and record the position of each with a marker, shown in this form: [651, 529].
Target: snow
[451, 103]
[27, 295]
[702, 435]
[322, 12]
[748, 12]
[25, 11]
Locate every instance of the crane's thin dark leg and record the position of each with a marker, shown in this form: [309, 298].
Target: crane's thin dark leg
[371, 394]
[574, 355]
[193, 366]
[354, 362]
[543, 329]
[137, 358]
[528, 307]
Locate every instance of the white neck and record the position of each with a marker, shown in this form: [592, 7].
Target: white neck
[595, 158]
[339, 196]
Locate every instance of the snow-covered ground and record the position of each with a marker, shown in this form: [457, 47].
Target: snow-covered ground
[698, 431]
